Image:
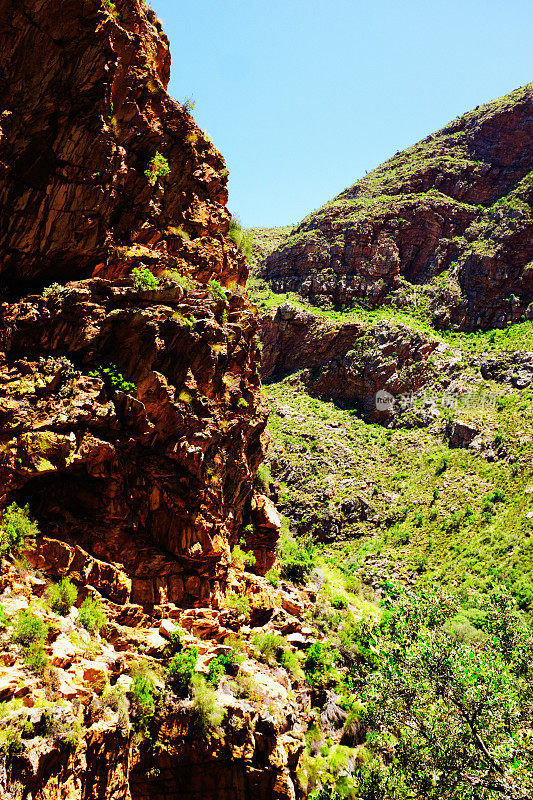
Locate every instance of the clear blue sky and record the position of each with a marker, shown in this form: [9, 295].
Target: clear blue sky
[303, 96]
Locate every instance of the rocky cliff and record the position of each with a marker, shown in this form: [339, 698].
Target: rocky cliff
[131, 418]
[450, 218]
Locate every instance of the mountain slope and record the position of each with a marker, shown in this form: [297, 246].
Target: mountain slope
[457, 203]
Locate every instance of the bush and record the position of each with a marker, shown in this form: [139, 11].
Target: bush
[224, 664]
[157, 168]
[181, 669]
[269, 646]
[319, 661]
[272, 577]
[296, 561]
[263, 478]
[17, 531]
[61, 596]
[4, 619]
[243, 240]
[185, 281]
[115, 699]
[29, 629]
[35, 657]
[207, 714]
[92, 615]
[218, 291]
[175, 641]
[144, 279]
[241, 557]
[142, 689]
[30, 632]
[240, 604]
[113, 378]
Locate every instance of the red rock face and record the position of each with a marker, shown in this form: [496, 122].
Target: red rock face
[85, 110]
[460, 200]
[348, 362]
[151, 472]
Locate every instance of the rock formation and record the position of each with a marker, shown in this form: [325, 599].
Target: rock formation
[132, 419]
[457, 205]
[131, 416]
[349, 362]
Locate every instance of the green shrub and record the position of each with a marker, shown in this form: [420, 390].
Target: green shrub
[243, 240]
[263, 478]
[111, 8]
[29, 629]
[61, 596]
[319, 661]
[4, 619]
[114, 698]
[54, 288]
[157, 168]
[206, 713]
[241, 557]
[224, 664]
[181, 669]
[296, 561]
[442, 466]
[272, 577]
[217, 290]
[269, 647]
[113, 378]
[17, 531]
[30, 632]
[352, 584]
[143, 691]
[175, 641]
[35, 656]
[144, 279]
[240, 604]
[290, 662]
[184, 281]
[91, 615]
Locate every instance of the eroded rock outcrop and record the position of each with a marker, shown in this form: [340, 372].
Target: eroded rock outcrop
[349, 362]
[131, 415]
[459, 202]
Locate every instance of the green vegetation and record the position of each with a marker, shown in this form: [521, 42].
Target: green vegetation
[296, 559]
[143, 691]
[61, 596]
[158, 168]
[444, 714]
[272, 577]
[185, 281]
[181, 669]
[113, 378]
[242, 239]
[91, 614]
[30, 633]
[402, 500]
[206, 713]
[143, 278]
[17, 531]
[224, 664]
[54, 288]
[242, 558]
[239, 604]
[217, 290]
[111, 8]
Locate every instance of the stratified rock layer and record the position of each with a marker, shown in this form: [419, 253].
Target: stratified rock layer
[356, 364]
[151, 470]
[460, 200]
